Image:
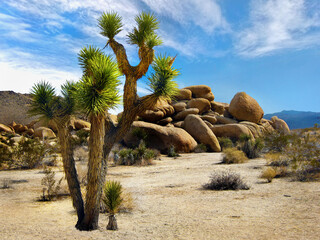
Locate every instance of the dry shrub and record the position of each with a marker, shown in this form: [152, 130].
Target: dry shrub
[225, 180]
[225, 142]
[269, 173]
[201, 148]
[233, 155]
[51, 186]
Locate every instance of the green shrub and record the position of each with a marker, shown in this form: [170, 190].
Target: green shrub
[200, 148]
[172, 152]
[233, 155]
[139, 156]
[225, 181]
[276, 141]
[140, 133]
[81, 137]
[225, 142]
[252, 148]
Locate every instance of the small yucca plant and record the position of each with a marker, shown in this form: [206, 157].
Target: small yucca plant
[112, 200]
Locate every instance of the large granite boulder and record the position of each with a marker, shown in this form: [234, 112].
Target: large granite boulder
[198, 129]
[162, 138]
[182, 115]
[219, 107]
[245, 108]
[44, 132]
[183, 94]
[201, 91]
[152, 116]
[280, 125]
[7, 129]
[201, 103]
[210, 118]
[179, 106]
[80, 124]
[160, 110]
[230, 130]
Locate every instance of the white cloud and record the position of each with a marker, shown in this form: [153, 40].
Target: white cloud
[279, 24]
[20, 70]
[203, 13]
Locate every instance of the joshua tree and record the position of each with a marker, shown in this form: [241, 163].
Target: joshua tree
[112, 200]
[96, 93]
[58, 110]
[161, 84]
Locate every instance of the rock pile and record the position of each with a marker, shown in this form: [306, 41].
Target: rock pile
[195, 115]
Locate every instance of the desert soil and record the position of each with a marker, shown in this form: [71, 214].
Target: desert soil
[169, 203]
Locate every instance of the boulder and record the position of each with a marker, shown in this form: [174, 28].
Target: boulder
[201, 103]
[178, 124]
[162, 138]
[44, 132]
[165, 121]
[245, 108]
[152, 116]
[53, 126]
[211, 119]
[255, 129]
[80, 124]
[230, 130]
[184, 94]
[114, 118]
[219, 107]
[29, 132]
[225, 120]
[201, 91]
[182, 115]
[19, 128]
[179, 106]
[4, 128]
[31, 124]
[280, 125]
[198, 129]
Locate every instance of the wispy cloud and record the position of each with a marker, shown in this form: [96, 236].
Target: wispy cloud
[277, 25]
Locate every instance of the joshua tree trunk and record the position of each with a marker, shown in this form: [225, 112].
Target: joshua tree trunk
[95, 182]
[70, 169]
[112, 224]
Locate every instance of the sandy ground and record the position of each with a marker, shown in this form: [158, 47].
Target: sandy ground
[170, 204]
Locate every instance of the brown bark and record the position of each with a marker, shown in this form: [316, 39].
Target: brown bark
[112, 224]
[95, 166]
[70, 169]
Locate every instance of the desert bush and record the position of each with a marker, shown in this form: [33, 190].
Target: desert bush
[172, 152]
[200, 148]
[82, 174]
[277, 159]
[233, 155]
[141, 134]
[28, 153]
[225, 142]
[269, 173]
[276, 141]
[225, 181]
[51, 187]
[141, 156]
[5, 183]
[112, 199]
[251, 147]
[81, 137]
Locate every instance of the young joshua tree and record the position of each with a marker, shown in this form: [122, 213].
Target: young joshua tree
[112, 200]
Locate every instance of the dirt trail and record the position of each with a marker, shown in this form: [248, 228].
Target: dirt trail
[170, 204]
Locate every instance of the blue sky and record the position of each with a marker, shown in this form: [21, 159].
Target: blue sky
[267, 48]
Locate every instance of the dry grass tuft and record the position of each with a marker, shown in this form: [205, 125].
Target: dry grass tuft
[233, 155]
[269, 173]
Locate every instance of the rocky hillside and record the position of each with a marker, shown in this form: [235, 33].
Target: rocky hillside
[297, 119]
[14, 107]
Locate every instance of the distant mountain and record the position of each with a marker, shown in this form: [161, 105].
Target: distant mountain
[14, 107]
[297, 119]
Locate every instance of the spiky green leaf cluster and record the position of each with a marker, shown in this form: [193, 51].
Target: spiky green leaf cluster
[49, 106]
[112, 196]
[162, 82]
[43, 95]
[144, 33]
[110, 24]
[97, 90]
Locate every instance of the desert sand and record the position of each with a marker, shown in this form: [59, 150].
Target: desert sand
[169, 203]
